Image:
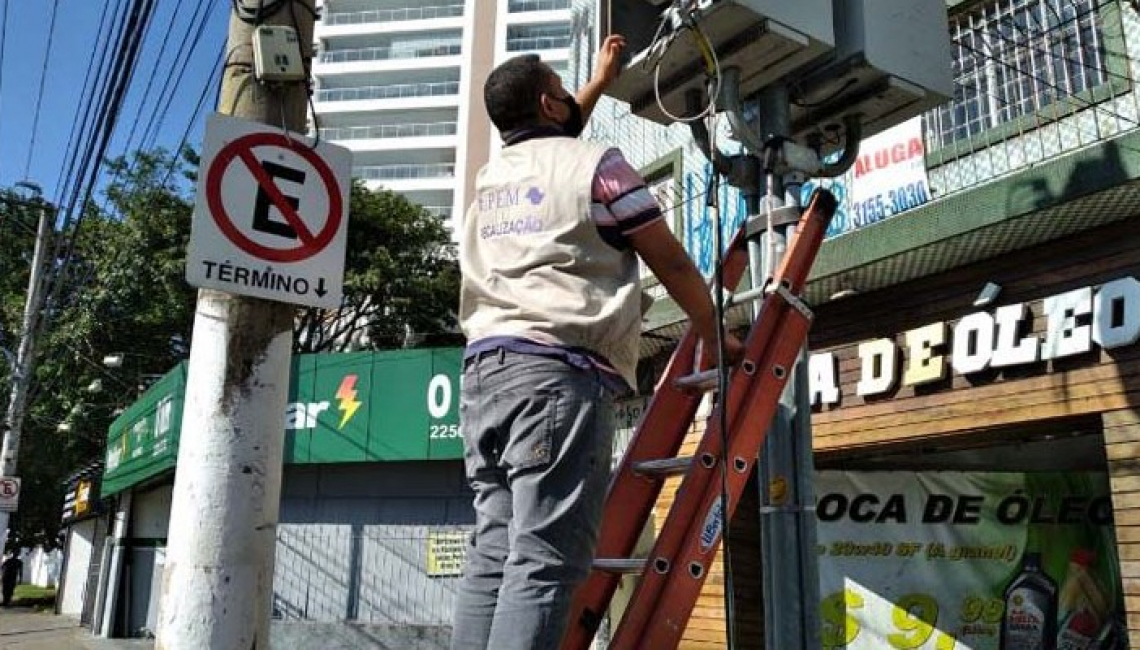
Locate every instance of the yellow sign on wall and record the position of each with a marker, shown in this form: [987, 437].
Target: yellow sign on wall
[82, 497]
[446, 551]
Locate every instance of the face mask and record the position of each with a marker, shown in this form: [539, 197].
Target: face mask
[573, 125]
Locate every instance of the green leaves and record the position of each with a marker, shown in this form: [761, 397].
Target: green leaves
[123, 291]
[401, 280]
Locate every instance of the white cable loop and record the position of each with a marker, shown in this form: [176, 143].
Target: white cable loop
[710, 109]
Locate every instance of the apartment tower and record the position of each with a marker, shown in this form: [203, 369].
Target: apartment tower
[399, 82]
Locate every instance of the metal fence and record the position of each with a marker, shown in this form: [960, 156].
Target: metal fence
[391, 91]
[1034, 79]
[520, 6]
[393, 576]
[439, 210]
[537, 43]
[385, 575]
[392, 15]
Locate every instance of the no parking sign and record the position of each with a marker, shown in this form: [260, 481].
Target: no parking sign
[9, 493]
[271, 213]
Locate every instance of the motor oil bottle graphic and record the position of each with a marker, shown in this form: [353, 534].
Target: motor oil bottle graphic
[1082, 606]
[1030, 619]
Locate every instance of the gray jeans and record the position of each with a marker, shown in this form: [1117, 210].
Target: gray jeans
[537, 434]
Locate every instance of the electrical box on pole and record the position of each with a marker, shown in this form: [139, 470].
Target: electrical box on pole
[766, 39]
[884, 61]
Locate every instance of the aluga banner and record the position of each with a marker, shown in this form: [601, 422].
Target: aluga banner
[978, 560]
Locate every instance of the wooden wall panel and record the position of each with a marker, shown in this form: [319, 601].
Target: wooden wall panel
[1122, 446]
[1087, 383]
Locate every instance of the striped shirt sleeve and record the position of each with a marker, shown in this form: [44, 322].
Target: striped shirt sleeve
[621, 202]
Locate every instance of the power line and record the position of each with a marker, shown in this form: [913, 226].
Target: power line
[1063, 95]
[200, 16]
[80, 127]
[1094, 8]
[40, 92]
[125, 65]
[212, 83]
[1027, 43]
[106, 113]
[3, 40]
[149, 83]
[174, 80]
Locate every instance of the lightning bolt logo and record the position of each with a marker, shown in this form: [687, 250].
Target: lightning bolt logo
[346, 395]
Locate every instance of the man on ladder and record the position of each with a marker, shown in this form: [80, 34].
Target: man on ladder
[551, 306]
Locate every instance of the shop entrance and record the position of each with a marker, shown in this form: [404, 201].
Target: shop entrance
[991, 540]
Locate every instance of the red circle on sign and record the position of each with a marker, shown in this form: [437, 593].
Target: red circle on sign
[242, 148]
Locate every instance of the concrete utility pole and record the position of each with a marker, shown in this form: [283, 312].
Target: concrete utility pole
[25, 354]
[218, 582]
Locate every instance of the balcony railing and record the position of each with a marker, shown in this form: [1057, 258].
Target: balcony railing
[538, 43]
[439, 210]
[404, 172]
[393, 15]
[392, 91]
[1031, 85]
[380, 131]
[520, 6]
[385, 52]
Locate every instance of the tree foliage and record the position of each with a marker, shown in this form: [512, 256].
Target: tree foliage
[122, 290]
[401, 281]
[115, 285]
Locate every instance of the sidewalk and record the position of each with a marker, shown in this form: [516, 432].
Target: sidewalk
[26, 629]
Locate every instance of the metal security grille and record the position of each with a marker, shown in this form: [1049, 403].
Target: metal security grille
[1017, 57]
[94, 570]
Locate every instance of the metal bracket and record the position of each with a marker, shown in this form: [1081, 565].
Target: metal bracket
[794, 301]
[785, 216]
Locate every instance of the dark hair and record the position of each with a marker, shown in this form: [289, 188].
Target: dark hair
[512, 92]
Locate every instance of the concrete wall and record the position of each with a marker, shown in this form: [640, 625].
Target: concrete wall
[356, 636]
[80, 545]
[149, 523]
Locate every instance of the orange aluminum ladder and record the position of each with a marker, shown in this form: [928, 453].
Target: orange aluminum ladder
[671, 580]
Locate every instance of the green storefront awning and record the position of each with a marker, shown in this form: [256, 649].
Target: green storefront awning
[343, 408]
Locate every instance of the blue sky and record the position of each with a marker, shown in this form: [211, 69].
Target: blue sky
[24, 41]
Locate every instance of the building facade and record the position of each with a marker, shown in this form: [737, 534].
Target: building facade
[400, 84]
[374, 505]
[971, 346]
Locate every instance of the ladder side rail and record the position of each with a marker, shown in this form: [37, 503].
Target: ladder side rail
[780, 316]
[631, 497]
[681, 587]
[702, 480]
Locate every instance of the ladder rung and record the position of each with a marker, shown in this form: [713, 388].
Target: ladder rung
[664, 466]
[747, 296]
[700, 381]
[619, 565]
